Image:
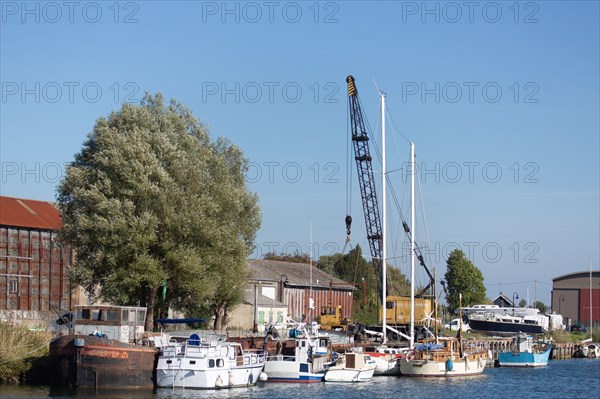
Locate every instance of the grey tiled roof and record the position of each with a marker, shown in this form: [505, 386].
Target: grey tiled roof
[298, 274]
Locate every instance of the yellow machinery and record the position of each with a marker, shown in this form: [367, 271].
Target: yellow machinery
[398, 310]
[331, 318]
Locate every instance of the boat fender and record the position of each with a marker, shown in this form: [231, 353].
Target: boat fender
[219, 381]
[263, 377]
[449, 365]
[250, 381]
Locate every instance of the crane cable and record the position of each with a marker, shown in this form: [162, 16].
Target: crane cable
[348, 219]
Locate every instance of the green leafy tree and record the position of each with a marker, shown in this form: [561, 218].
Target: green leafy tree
[150, 202]
[462, 277]
[522, 303]
[541, 306]
[296, 257]
[327, 263]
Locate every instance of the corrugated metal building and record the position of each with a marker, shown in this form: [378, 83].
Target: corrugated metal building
[572, 297]
[33, 264]
[294, 283]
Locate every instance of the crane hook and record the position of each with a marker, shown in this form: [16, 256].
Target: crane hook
[348, 224]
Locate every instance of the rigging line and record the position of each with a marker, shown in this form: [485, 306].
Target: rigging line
[520, 282]
[427, 241]
[417, 249]
[396, 127]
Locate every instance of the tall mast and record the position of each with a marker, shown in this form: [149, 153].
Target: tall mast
[384, 235]
[591, 296]
[412, 245]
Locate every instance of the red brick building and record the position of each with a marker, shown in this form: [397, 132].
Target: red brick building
[33, 264]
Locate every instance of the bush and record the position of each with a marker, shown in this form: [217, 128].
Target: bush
[19, 349]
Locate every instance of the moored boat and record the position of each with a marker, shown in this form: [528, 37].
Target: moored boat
[106, 350]
[526, 353]
[300, 358]
[445, 359]
[208, 365]
[387, 359]
[351, 367]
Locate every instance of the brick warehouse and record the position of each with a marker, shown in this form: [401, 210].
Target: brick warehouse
[33, 264]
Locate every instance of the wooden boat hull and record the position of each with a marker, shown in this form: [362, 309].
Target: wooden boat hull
[95, 362]
[427, 368]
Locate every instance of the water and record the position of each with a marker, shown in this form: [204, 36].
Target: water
[577, 378]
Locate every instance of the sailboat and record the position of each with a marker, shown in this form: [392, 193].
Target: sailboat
[444, 358]
[384, 358]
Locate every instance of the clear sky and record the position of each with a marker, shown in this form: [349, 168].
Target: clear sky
[500, 98]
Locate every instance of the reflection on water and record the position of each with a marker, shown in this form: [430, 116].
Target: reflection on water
[578, 378]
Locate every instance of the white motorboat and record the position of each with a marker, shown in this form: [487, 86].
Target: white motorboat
[351, 367]
[386, 359]
[208, 365]
[300, 358]
[590, 350]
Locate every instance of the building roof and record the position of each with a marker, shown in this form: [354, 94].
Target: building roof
[296, 274]
[503, 298]
[34, 214]
[585, 274]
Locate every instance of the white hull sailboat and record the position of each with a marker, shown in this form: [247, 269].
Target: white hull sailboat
[443, 360]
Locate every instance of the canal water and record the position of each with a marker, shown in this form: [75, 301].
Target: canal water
[577, 378]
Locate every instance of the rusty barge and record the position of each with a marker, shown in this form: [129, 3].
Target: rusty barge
[105, 348]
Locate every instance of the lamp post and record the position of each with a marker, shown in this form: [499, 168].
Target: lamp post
[515, 296]
[561, 298]
[283, 284]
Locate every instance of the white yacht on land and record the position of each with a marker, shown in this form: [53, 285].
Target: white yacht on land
[208, 365]
[501, 311]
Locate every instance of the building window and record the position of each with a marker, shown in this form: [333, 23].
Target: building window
[13, 286]
[280, 317]
[261, 317]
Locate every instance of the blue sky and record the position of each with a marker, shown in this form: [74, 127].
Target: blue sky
[500, 98]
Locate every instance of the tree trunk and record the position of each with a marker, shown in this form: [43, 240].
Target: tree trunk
[219, 317]
[150, 306]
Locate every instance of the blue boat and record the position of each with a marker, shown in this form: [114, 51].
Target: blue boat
[526, 353]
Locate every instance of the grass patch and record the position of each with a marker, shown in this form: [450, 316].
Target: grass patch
[20, 348]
